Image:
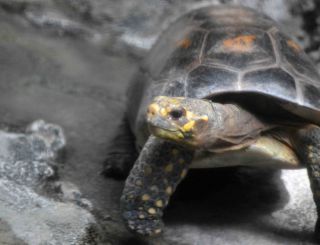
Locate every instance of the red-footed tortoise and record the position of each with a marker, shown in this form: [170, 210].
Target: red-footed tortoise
[222, 86]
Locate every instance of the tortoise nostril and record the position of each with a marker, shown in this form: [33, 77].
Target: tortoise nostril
[176, 113]
[151, 112]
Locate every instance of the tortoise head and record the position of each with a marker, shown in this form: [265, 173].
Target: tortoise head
[179, 119]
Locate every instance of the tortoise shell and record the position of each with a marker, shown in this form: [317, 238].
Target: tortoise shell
[221, 50]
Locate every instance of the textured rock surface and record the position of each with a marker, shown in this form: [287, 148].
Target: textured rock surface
[27, 163]
[27, 159]
[69, 63]
[38, 220]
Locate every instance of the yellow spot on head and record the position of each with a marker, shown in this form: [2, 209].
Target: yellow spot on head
[153, 109]
[169, 167]
[188, 126]
[183, 173]
[239, 44]
[159, 203]
[189, 115]
[163, 112]
[145, 197]
[169, 190]
[292, 44]
[184, 43]
[152, 211]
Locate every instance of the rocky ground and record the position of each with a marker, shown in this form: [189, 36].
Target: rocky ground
[68, 62]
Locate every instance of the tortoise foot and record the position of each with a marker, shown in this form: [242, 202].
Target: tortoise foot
[140, 223]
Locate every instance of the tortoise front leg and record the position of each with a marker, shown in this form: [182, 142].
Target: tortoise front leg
[154, 177]
[307, 144]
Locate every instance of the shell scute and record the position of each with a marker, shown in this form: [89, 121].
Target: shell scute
[292, 53]
[311, 95]
[273, 81]
[239, 48]
[186, 53]
[204, 80]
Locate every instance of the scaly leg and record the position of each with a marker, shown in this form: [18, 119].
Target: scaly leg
[154, 177]
[307, 144]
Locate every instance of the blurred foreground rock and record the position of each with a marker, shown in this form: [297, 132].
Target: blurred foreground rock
[27, 163]
[28, 159]
[38, 220]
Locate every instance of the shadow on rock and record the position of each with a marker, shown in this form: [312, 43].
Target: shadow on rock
[291, 235]
[227, 196]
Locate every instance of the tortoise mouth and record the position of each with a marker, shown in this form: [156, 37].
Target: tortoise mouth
[168, 133]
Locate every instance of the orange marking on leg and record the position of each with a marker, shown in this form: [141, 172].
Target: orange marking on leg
[184, 43]
[292, 44]
[239, 44]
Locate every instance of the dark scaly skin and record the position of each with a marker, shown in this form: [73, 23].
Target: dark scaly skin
[307, 144]
[157, 172]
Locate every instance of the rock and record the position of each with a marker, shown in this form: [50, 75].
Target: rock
[82, 8]
[55, 22]
[38, 220]
[7, 236]
[18, 6]
[128, 27]
[292, 217]
[27, 159]
[69, 192]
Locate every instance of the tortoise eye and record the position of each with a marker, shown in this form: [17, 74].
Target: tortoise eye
[177, 113]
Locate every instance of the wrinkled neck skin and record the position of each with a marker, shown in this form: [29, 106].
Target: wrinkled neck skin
[230, 127]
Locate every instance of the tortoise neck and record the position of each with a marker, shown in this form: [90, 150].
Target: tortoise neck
[230, 125]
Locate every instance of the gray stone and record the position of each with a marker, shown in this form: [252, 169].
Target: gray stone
[18, 6]
[7, 236]
[69, 192]
[38, 220]
[27, 158]
[59, 24]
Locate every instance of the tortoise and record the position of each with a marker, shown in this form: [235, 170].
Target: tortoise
[222, 86]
